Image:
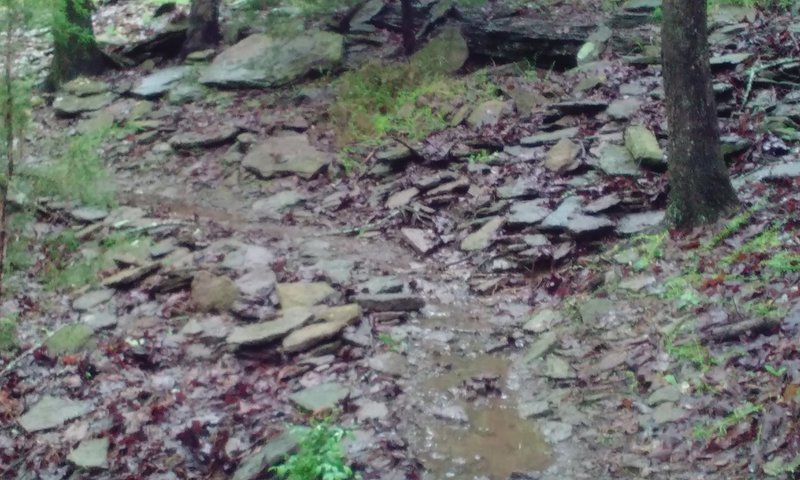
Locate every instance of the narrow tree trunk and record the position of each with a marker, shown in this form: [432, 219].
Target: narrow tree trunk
[75, 51]
[8, 126]
[409, 38]
[203, 30]
[700, 187]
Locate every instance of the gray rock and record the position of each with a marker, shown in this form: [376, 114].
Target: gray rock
[445, 54]
[287, 154]
[578, 107]
[668, 412]
[92, 299]
[390, 302]
[541, 346]
[548, 137]
[51, 412]
[555, 432]
[130, 276]
[644, 148]
[636, 89]
[84, 87]
[338, 270]
[557, 368]
[91, 454]
[390, 363]
[88, 214]
[70, 105]
[602, 204]
[594, 46]
[244, 257]
[99, 320]
[212, 293]
[275, 204]
[637, 283]
[453, 413]
[562, 157]
[309, 336]
[667, 393]
[638, 222]
[383, 284]
[402, 198]
[275, 450]
[191, 140]
[771, 172]
[528, 213]
[420, 240]
[569, 217]
[320, 398]
[69, 339]
[263, 61]
[592, 310]
[624, 109]
[370, 410]
[456, 186]
[617, 160]
[729, 60]
[484, 236]
[300, 294]
[160, 82]
[185, 92]
[534, 409]
[394, 154]
[521, 188]
[267, 332]
[488, 113]
[543, 320]
[432, 181]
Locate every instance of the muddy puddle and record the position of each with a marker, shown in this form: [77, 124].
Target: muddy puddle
[491, 442]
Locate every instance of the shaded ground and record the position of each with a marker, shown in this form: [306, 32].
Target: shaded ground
[586, 349]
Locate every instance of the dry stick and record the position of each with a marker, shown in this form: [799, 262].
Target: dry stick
[13, 363]
[758, 69]
[9, 124]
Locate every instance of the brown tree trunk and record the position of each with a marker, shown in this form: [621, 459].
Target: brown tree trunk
[409, 38]
[75, 51]
[204, 32]
[700, 187]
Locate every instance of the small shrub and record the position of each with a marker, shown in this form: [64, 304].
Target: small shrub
[319, 455]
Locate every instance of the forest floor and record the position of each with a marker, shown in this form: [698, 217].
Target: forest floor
[469, 302]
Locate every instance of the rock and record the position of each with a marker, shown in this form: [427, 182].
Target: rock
[623, 110]
[534, 409]
[541, 346]
[580, 107]
[402, 198]
[8, 335]
[300, 294]
[273, 205]
[667, 393]
[557, 368]
[484, 236]
[212, 293]
[594, 46]
[51, 412]
[562, 157]
[92, 299]
[346, 314]
[84, 87]
[160, 82]
[453, 413]
[602, 204]
[635, 89]
[770, 172]
[130, 276]
[733, 144]
[321, 398]
[370, 410]
[548, 137]
[617, 160]
[91, 454]
[185, 93]
[569, 217]
[274, 451]
[286, 154]
[555, 432]
[644, 148]
[390, 363]
[394, 154]
[270, 331]
[384, 284]
[69, 339]
[592, 310]
[638, 222]
[720, 62]
[263, 61]
[445, 54]
[337, 270]
[528, 213]
[390, 302]
[70, 105]
[543, 320]
[99, 320]
[668, 412]
[637, 283]
[99, 122]
[487, 113]
[192, 140]
[522, 187]
[304, 338]
[88, 214]
[420, 240]
[245, 257]
[456, 186]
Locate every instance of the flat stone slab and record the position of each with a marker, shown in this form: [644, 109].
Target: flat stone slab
[299, 294]
[304, 338]
[548, 137]
[160, 82]
[271, 331]
[51, 412]
[286, 154]
[569, 217]
[275, 450]
[421, 241]
[638, 222]
[320, 398]
[528, 213]
[92, 299]
[190, 140]
[484, 236]
[70, 105]
[390, 302]
[91, 454]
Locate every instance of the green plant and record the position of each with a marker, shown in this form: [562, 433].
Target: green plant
[394, 344]
[705, 431]
[650, 248]
[775, 372]
[481, 156]
[319, 455]
[783, 262]
[734, 225]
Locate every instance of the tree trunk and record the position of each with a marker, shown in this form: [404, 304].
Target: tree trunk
[700, 187]
[75, 51]
[204, 32]
[409, 39]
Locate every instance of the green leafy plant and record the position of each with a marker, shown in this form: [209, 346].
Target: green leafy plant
[775, 371]
[705, 431]
[319, 455]
[391, 342]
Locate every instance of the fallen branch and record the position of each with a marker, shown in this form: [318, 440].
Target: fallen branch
[13, 363]
[723, 333]
[755, 69]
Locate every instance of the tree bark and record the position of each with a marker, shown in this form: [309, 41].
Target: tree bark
[75, 51]
[700, 187]
[409, 36]
[204, 32]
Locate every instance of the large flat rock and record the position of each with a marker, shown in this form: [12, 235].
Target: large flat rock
[287, 154]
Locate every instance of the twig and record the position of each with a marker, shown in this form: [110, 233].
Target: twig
[13, 363]
[758, 69]
[734, 331]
